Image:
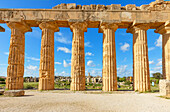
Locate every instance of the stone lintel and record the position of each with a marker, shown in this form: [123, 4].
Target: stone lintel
[2, 29]
[78, 26]
[22, 26]
[104, 25]
[49, 25]
[165, 28]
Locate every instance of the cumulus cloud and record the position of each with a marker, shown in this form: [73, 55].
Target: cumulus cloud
[90, 63]
[94, 72]
[33, 58]
[151, 48]
[63, 73]
[151, 62]
[125, 47]
[63, 40]
[65, 64]
[156, 69]
[89, 54]
[6, 53]
[87, 44]
[159, 62]
[64, 49]
[31, 67]
[58, 63]
[123, 71]
[158, 42]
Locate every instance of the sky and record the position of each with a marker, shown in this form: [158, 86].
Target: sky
[93, 43]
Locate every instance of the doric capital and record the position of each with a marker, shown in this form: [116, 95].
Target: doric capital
[2, 29]
[105, 26]
[23, 27]
[132, 29]
[49, 25]
[165, 28]
[78, 26]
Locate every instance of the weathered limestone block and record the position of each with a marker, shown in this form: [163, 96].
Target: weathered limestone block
[1, 92]
[140, 58]
[165, 31]
[164, 87]
[115, 7]
[2, 29]
[60, 6]
[93, 6]
[71, 6]
[109, 57]
[130, 7]
[144, 7]
[86, 7]
[78, 56]
[100, 7]
[14, 93]
[15, 70]
[46, 70]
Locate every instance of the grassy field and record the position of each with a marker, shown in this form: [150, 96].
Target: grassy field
[66, 85]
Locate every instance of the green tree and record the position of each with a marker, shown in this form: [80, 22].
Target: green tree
[157, 75]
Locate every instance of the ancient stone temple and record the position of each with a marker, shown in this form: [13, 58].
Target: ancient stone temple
[136, 19]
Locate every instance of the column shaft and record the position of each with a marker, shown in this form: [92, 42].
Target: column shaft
[15, 70]
[46, 70]
[140, 60]
[109, 58]
[78, 57]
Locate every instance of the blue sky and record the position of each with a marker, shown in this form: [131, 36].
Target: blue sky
[93, 43]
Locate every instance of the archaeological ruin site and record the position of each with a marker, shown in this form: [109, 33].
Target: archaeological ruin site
[136, 19]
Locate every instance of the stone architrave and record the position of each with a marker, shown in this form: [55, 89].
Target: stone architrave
[109, 57]
[15, 70]
[140, 58]
[165, 31]
[78, 56]
[46, 70]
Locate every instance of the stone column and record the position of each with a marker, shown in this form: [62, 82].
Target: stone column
[46, 70]
[165, 31]
[15, 70]
[109, 57]
[78, 56]
[2, 29]
[140, 58]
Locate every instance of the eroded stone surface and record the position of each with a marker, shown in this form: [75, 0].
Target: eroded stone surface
[140, 58]
[14, 93]
[2, 29]
[15, 70]
[78, 56]
[164, 87]
[109, 57]
[46, 71]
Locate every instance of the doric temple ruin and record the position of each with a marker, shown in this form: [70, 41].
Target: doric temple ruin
[136, 19]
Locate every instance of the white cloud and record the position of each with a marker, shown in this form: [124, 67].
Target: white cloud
[91, 63]
[151, 62]
[31, 67]
[3, 64]
[6, 53]
[87, 44]
[58, 63]
[65, 64]
[158, 42]
[94, 72]
[123, 71]
[125, 47]
[32, 58]
[62, 40]
[155, 70]
[59, 33]
[64, 49]
[89, 54]
[151, 48]
[63, 73]
[159, 62]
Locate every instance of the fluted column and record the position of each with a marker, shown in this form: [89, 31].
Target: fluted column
[46, 70]
[15, 70]
[140, 58]
[2, 29]
[164, 30]
[109, 57]
[78, 57]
